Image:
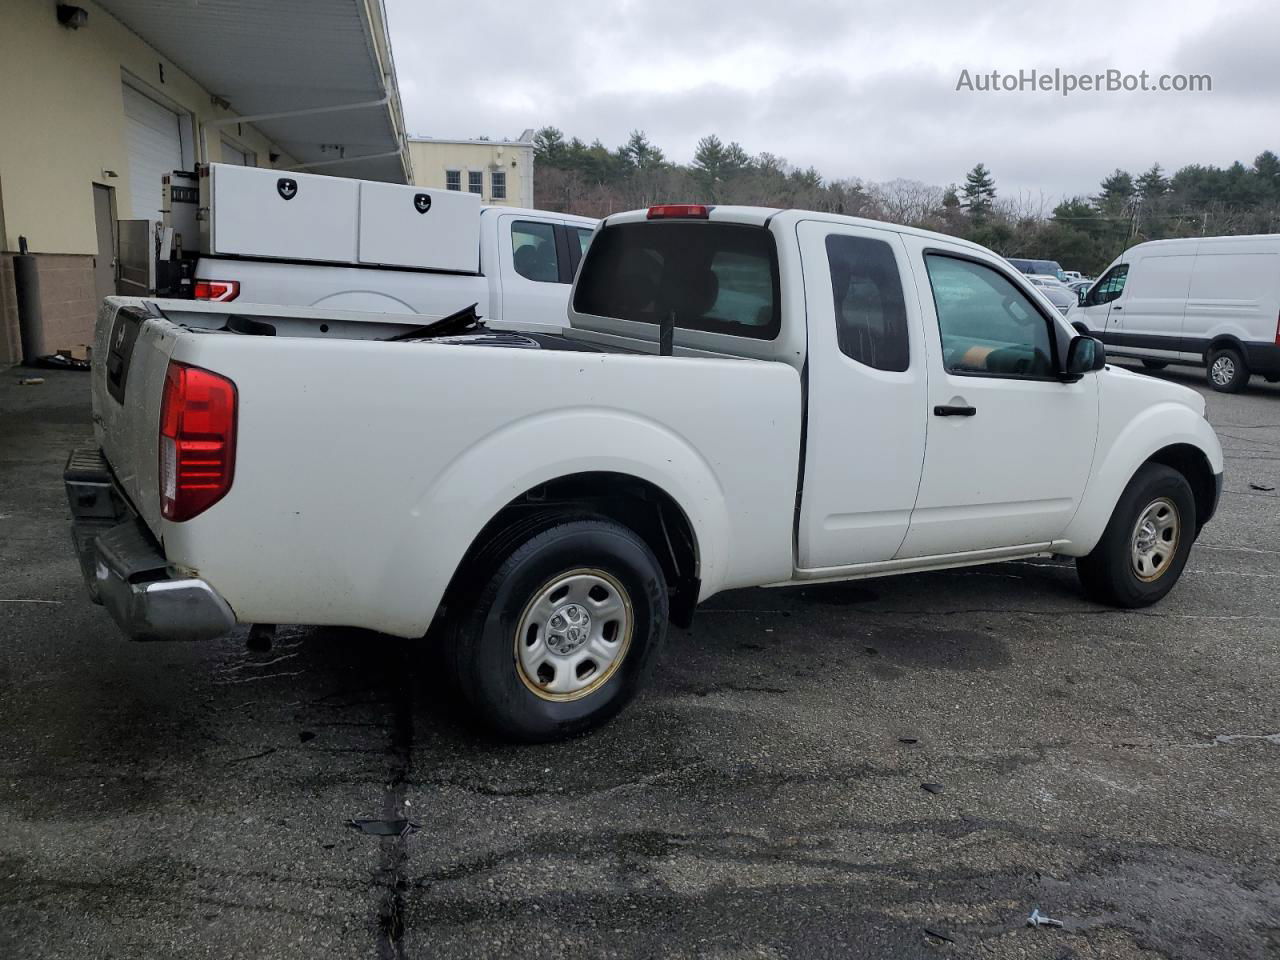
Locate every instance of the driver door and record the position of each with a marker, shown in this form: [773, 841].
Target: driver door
[1008, 445]
[1096, 309]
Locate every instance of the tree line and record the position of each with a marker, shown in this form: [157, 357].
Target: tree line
[1082, 233]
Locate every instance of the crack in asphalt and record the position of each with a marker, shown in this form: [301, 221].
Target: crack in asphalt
[394, 853]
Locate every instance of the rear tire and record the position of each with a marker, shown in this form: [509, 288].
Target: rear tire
[562, 632]
[1145, 546]
[1154, 364]
[1227, 372]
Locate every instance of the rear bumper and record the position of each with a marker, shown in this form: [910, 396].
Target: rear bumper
[1263, 358]
[126, 570]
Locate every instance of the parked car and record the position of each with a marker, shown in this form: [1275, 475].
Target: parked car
[1208, 301]
[1070, 276]
[742, 397]
[1059, 295]
[357, 245]
[1039, 267]
[1077, 287]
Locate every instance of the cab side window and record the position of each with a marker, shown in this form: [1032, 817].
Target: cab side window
[871, 314]
[1110, 286]
[533, 251]
[989, 327]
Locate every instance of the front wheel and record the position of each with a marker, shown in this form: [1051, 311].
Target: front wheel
[563, 632]
[1154, 364]
[1145, 546]
[1227, 372]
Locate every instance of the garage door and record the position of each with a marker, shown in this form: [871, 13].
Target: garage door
[154, 138]
[233, 154]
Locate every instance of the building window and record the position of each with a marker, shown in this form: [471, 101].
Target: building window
[498, 185]
[453, 179]
[475, 181]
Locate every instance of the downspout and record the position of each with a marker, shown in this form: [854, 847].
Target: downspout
[363, 156]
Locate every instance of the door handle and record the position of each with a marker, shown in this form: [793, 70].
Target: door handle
[1117, 308]
[949, 410]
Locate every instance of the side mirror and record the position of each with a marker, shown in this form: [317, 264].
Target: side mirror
[1082, 295]
[1084, 355]
[1082, 328]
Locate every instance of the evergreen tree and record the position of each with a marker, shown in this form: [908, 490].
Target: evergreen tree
[1152, 185]
[979, 193]
[1117, 193]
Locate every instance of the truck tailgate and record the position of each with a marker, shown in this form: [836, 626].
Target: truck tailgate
[130, 357]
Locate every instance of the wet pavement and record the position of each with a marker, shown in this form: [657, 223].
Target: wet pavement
[764, 799]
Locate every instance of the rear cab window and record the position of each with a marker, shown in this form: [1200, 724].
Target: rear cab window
[715, 277]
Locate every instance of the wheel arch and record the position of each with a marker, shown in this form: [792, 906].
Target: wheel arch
[1191, 462]
[639, 504]
[1224, 340]
[1168, 433]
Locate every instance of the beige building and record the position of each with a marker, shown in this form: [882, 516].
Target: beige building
[100, 99]
[501, 171]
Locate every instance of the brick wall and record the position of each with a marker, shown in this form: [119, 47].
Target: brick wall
[67, 299]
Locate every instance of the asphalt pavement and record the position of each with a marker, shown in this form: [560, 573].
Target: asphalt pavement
[893, 768]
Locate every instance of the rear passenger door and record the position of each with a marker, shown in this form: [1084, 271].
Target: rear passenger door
[865, 431]
[536, 268]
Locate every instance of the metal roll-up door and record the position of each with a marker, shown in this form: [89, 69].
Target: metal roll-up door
[153, 134]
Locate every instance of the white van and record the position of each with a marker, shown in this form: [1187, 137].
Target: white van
[1209, 301]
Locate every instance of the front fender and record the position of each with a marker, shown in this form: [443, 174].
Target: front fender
[453, 509]
[1118, 458]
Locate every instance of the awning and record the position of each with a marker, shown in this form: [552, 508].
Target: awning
[283, 66]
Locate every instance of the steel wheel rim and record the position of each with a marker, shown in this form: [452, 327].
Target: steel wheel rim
[573, 635]
[1155, 538]
[1223, 369]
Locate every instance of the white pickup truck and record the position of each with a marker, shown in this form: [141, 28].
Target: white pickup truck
[527, 262]
[743, 397]
[341, 244]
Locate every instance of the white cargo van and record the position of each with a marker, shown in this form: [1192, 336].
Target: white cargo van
[1209, 301]
[272, 236]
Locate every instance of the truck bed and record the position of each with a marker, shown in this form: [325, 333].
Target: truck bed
[365, 468]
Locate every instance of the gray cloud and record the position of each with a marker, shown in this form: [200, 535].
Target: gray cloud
[856, 89]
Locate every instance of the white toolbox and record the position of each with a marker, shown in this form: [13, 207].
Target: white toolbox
[255, 212]
[416, 227]
[277, 214]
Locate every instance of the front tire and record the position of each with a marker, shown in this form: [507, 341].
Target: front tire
[1145, 546]
[563, 632]
[1154, 364]
[1227, 372]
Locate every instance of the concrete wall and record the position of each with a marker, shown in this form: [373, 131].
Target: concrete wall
[62, 127]
[433, 158]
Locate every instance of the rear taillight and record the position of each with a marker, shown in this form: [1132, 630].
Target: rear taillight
[217, 291]
[197, 440]
[1278, 329]
[679, 211]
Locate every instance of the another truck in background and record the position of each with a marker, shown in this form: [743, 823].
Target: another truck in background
[1207, 301]
[269, 236]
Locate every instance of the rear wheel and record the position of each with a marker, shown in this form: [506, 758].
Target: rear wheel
[1227, 372]
[1144, 548]
[562, 632]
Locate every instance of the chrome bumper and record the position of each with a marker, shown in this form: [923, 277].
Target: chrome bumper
[125, 569]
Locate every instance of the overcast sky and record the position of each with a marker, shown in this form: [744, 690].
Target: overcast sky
[857, 89]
